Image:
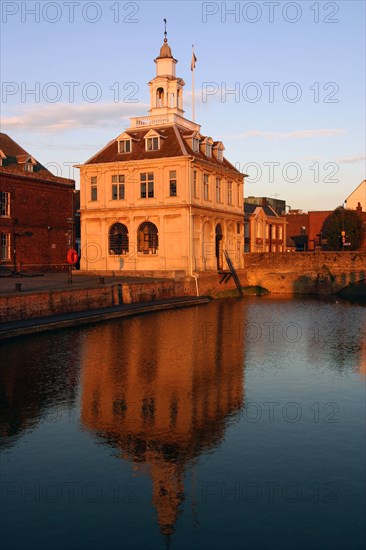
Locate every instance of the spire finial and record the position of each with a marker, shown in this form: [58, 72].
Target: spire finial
[165, 33]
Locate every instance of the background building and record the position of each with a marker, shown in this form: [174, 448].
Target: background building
[357, 197]
[304, 230]
[35, 207]
[264, 229]
[161, 196]
[278, 205]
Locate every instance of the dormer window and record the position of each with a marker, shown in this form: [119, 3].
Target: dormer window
[124, 146]
[195, 145]
[218, 150]
[206, 147]
[2, 156]
[27, 161]
[152, 144]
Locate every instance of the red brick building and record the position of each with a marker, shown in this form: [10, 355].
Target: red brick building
[35, 207]
[304, 230]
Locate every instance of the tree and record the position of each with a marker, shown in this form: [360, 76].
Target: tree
[343, 224]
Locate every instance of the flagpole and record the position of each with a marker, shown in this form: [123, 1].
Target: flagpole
[193, 98]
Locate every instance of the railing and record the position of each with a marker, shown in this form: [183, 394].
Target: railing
[159, 120]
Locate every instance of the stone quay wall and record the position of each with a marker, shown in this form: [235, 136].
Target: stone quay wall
[305, 272]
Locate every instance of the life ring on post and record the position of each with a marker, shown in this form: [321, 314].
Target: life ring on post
[72, 256]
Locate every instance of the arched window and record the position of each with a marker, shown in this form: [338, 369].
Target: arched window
[147, 238]
[118, 239]
[160, 97]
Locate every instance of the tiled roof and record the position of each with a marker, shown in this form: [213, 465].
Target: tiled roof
[269, 211]
[15, 156]
[175, 142]
[250, 208]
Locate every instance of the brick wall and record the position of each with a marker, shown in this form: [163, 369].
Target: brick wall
[29, 305]
[41, 207]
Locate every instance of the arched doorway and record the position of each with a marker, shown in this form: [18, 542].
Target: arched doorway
[219, 252]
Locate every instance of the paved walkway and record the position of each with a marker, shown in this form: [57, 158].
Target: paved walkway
[29, 326]
[59, 281]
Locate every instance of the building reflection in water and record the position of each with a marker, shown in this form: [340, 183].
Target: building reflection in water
[160, 388]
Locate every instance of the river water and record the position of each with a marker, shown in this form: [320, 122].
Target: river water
[237, 424]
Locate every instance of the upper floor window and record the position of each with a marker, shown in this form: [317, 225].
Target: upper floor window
[147, 185]
[152, 144]
[4, 204]
[124, 146]
[28, 167]
[239, 198]
[220, 155]
[229, 192]
[218, 190]
[205, 187]
[118, 187]
[172, 183]
[93, 188]
[208, 150]
[195, 183]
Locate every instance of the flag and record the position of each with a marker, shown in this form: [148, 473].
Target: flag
[193, 62]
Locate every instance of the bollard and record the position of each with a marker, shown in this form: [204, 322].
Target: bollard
[18, 287]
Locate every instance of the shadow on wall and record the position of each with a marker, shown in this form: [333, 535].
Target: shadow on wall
[355, 288]
[351, 284]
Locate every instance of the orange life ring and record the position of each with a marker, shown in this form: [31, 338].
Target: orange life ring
[72, 256]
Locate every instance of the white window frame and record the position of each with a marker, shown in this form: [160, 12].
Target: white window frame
[208, 150]
[4, 246]
[4, 204]
[94, 188]
[195, 184]
[218, 190]
[118, 187]
[172, 182]
[206, 187]
[125, 146]
[152, 143]
[230, 193]
[195, 145]
[147, 179]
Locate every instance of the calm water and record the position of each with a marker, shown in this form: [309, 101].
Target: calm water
[240, 424]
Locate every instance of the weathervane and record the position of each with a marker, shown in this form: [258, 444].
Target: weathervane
[165, 33]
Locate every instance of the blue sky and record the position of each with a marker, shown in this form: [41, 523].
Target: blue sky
[295, 121]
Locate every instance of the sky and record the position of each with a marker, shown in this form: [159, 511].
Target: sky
[281, 83]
